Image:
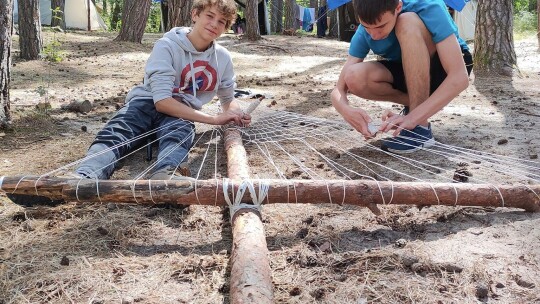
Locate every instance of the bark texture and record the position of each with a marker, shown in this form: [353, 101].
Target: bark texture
[210, 192]
[58, 18]
[252, 20]
[179, 13]
[538, 24]
[289, 15]
[134, 18]
[6, 25]
[251, 280]
[276, 16]
[494, 39]
[30, 40]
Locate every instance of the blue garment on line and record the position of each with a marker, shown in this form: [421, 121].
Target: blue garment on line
[306, 22]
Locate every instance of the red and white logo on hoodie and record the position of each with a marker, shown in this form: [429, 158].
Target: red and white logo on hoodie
[205, 78]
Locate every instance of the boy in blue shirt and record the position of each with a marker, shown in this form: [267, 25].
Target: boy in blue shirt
[424, 66]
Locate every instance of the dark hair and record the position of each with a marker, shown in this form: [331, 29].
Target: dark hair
[370, 11]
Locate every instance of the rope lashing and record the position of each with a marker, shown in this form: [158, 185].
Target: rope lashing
[247, 184]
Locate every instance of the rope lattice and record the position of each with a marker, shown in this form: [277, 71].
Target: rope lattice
[288, 146]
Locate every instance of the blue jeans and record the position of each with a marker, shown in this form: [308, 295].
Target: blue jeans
[128, 129]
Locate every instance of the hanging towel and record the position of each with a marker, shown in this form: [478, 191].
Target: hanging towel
[298, 15]
[307, 21]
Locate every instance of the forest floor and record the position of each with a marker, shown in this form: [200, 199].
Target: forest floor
[125, 253]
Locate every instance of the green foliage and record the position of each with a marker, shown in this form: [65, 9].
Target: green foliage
[520, 5]
[154, 19]
[113, 16]
[41, 90]
[51, 51]
[525, 23]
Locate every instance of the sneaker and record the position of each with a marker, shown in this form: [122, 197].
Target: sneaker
[409, 141]
[172, 173]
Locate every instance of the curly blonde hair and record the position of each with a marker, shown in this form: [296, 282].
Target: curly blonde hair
[226, 7]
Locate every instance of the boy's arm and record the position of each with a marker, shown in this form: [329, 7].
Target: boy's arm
[356, 117]
[455, 82]
[175, 108]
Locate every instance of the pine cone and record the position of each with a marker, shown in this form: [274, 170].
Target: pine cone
[461, 175]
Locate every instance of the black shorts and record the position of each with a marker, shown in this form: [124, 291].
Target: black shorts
[437, 72]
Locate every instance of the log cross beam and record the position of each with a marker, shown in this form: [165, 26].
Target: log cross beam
[210, 192]
[251, 280]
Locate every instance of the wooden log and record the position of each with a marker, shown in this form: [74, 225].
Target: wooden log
[210, 192]
[79, 106]
[251, 280]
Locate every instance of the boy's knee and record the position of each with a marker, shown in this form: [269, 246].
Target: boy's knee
[356, 79]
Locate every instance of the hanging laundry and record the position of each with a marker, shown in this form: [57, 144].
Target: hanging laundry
[308, 20]
[298, 16]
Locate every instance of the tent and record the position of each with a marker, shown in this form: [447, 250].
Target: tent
[466, 20]
[75, 13]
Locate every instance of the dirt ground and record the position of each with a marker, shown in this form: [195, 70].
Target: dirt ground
[124, 253]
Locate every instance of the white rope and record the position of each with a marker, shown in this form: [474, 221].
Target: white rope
[247, 184]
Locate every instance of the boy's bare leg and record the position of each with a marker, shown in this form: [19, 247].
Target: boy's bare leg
[417, 47]
[371, 80]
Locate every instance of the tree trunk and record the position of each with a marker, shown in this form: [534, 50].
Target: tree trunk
[6, 25]
[134, 20]
[105, 7]
[273, 16]
[538, 24]
[30, 39]
[57, 18]
[115, 18]
[289, 15]
[494, 38]
[179, 13]
[252, 20]
[334, 29]
[277, 15]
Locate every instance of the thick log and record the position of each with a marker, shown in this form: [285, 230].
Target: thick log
[78, 106]
[210, 192]
[251, 280]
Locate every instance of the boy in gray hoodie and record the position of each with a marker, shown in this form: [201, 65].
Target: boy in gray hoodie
[185, 70]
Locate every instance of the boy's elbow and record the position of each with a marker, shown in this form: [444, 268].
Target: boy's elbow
[463, 81]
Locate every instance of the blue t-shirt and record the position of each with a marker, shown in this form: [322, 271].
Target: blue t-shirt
[433, 13]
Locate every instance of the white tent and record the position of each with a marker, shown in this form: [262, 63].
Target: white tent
[75, 14]
[466, 20]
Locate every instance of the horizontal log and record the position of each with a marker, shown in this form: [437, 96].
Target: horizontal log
[210, 192]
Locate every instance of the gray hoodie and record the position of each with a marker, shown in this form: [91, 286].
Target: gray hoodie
[168, 72]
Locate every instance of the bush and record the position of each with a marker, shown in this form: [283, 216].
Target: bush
[525, 22]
